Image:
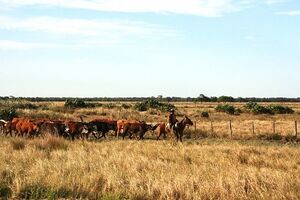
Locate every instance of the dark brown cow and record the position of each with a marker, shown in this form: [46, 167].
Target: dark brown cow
[103, 126]
[57, 128]
[138, 129]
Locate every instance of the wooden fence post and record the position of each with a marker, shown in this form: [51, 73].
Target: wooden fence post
[253, 128]
[296, 128]
[211, 127]
[274, 128]
[195, 126]
[230, 128]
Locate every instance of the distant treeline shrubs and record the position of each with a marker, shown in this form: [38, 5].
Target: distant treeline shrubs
[255, 108]
[153, 103]
[229, 109]
[200, 98]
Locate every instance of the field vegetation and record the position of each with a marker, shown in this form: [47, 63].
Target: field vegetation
[206, 169]
[209, 164]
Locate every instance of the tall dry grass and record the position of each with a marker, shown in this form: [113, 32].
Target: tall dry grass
[205, 169]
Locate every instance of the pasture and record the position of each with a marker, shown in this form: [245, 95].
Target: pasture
[207, 165]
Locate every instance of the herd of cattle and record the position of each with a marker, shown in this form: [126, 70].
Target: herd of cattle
[22, 127]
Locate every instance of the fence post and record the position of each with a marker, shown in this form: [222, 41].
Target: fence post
[253, 128]
[211, 127]
[296, 128]
[230, 127]
[195, 126]
[274, 128]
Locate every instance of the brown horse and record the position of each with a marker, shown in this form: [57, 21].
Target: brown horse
[180, 126]
[161, 129]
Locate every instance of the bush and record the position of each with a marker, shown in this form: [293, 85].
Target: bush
[79, 103]
[276, 109]
[75, 103]
[250, 105]
[8, 114]
[261, 110]
[271, 109]
[226, 108]
[153, 103]
[204, 114]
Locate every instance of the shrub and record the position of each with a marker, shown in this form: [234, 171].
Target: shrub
[250, 105]
[8, 113]
[204, 114]
[226, 108]
[79, 103]
[153, 103]
[271, 109]
[261, 110]
[276, 109]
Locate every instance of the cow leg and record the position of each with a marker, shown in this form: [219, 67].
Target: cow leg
[95, 136]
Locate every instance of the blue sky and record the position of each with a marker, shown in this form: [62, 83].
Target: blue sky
[126, 48]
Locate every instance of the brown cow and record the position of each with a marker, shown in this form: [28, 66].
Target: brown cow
[78, 129]
[161, 129]
[135, 128]
[27, 127]
[120, 126]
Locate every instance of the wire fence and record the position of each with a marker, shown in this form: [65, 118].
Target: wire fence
[247, 127]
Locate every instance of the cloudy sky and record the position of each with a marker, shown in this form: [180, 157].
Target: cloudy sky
[149, 47]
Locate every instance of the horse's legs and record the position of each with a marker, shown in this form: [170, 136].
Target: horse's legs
[158, 135]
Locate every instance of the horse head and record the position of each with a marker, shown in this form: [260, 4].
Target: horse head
[188, 121]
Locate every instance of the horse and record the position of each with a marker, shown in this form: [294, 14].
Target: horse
[161, 129]
[179, 127]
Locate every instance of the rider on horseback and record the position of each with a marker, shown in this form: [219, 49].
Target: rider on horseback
[172, 119]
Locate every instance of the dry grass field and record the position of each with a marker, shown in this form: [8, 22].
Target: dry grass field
[54, 168]
[207, 165]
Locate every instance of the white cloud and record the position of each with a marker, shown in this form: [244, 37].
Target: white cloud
[271, 2]
[208, 8]
[83, 27]
[15, 45]
[289, 13]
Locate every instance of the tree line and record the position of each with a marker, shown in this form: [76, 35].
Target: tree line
[200, 98]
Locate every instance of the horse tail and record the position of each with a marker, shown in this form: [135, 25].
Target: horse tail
[155, 126]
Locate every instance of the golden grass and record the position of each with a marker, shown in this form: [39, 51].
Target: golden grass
[203, 169]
